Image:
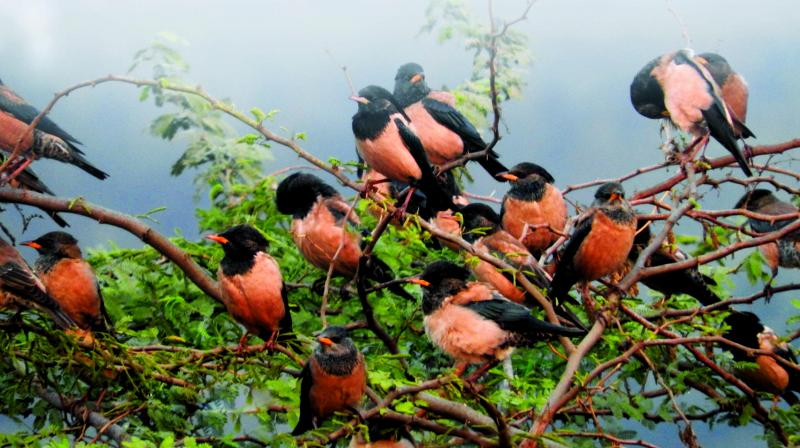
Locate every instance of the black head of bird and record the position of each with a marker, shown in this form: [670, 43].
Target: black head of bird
[56, 244]
[444, 279]
[376, 99]
[409, 84]
[528, 181]
[744, 329]
[240, 242]
[647, 95]
[298, 193]
[479, 220]
[336, 351]
[754, 200]
[609, 193]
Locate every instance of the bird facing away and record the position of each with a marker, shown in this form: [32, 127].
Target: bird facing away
[600, 243]
[733, 89]
[533, 210]
[70, 280]
[769, 376]
[386, 141]
[251, 284]
[333, 379]
[784, 252]
[474, 324]
[20, 287]
[677, 87]
[48, 139]
[322, 222]
[685, 281]
[28, 180]
[446, 134]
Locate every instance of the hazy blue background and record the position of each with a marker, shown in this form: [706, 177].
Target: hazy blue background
[574, 118]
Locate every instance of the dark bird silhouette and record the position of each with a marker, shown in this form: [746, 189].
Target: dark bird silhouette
[600, 243]
[28, 180]
[733, 89]
[784, 252]
[20, 287]
[333, 379]
[386, 141]
[446, 134]
[533, 209]
[685, 281]
[474, 324]
[70, 280]
[251, 284]
[769, 376]
[322, 222]
[678, 87]
[48, 139]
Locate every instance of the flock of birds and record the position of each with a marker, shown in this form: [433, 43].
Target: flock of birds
[403, 137]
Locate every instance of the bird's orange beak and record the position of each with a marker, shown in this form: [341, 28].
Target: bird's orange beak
[615, 197]
[32, 244]
[325, 341]
[417, 78]
[359, 99]
[419, 281]
[508, 176]
[218, 239]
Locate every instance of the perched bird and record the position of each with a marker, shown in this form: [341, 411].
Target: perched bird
[48, 139]
[533, 209]
[70, 280]
[322, 222]
[685, 281]
[600, 243]
[733, 89]
[19, 286]
[474, 324]
[251, 284]
[333, 379]
[678, 87]
[445, 133]
[784, 252]
[386, 141]
[28, 180]
[382, 434]
[481, 227]
[770, 376]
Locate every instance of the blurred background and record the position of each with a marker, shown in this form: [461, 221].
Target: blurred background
[574, 116]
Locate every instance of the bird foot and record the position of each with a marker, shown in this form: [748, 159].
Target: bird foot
[242, 347]
[369, 186]
[401, 211]
[269, 345]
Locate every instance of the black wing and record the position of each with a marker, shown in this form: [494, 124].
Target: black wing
[19, 108]
[719, 120]
[103, 322]
[452, 119]
[565, 275]
[22, 282]
[775, 208]
[438, 199]
[306, 420]
[515, 318]
[686, 281]
[285, 324]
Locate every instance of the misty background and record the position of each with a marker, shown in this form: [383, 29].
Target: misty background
[574, 116]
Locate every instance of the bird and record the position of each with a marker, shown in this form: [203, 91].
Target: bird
[481, 228]
[20, 287]
[733, 89]
[28, 180]
[677, 87]
[472, 323]
[446, 134]
[48, 139]
[333, 379]
[785, 252]
[533, 210]
[322, 222]
[769, 376]
[251, 284]
[387, 142]
[600, 243]
[684, 281]
[70, 280]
